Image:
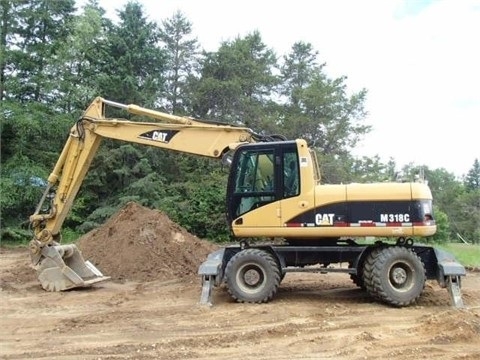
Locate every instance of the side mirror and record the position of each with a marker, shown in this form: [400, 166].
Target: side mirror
[227, 159]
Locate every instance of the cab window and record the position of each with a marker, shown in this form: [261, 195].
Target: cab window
[255, 179]
[291, 174]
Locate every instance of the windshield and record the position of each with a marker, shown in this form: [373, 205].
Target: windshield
[255, 172]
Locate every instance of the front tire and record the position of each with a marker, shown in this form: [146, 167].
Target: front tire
[252, 276]
[394, 275]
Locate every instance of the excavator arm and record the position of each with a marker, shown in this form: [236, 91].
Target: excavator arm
[61, 267]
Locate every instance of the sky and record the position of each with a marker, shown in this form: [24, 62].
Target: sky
[419, 60]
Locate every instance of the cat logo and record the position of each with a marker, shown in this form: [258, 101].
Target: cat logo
[163, 136]
[324, 219]
[159, 136]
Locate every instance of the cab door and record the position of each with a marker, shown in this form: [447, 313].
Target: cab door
[297, 189]
[252, 191]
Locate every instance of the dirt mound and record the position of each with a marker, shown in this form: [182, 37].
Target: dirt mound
[142, 244]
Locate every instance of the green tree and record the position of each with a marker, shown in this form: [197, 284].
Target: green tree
[32, 130]
[8, 24]
[21, 186]
[451, 197]
[130, 68]
[200, 209]
[134, 70]
[296, 72]
[78, 63]
[130, 176]
[443, 227]
[236, 81]
[31, 133]
[472, 179]
[468, 220]
[372, 169]
[318, 108]
[39, 27]
[182, 58]
[469, 212]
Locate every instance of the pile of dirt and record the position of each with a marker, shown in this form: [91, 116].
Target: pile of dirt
[142, 244]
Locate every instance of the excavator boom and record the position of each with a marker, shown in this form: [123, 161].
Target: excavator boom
[61, 267]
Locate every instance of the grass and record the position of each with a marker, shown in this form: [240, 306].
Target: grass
[467, 255]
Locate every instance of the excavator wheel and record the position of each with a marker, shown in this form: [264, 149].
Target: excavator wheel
[368, 266]
[252, 276]
[394, 275]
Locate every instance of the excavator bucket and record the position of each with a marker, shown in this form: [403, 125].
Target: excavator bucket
[62, 267]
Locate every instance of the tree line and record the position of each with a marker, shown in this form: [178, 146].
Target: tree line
[55, 59]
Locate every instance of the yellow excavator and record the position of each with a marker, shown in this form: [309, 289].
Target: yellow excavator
[274, 191]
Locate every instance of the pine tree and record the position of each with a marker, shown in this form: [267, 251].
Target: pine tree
[472, 179]
[37, 30]
[182, 51]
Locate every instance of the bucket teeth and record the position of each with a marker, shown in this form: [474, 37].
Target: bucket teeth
[62, 267]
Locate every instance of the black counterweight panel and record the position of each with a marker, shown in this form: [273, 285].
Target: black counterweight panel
[363, 212]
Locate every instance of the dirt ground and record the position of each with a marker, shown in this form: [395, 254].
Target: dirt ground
[150, 308]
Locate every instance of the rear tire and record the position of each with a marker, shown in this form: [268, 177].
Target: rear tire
[252, 276]
[394, 275]
[368, 269]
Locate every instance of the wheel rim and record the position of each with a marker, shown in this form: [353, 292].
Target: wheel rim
[401, 276]
[251, 278]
